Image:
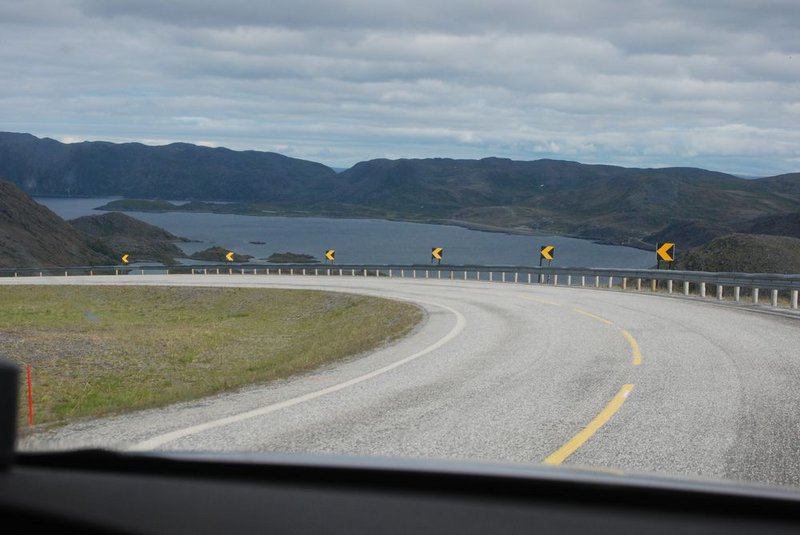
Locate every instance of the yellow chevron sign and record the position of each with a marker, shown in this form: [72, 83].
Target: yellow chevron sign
[229, 256]
[330, 254]
[547, 251]
[666, 251]
[437, 252]
[125, 258]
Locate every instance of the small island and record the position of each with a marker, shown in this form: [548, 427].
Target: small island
[217, 254]
[291, 258]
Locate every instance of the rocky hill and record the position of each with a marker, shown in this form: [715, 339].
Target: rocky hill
[33, 236]
[750, 253]
[119, 234]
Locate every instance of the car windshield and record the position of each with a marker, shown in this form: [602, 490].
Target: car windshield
[561, 233]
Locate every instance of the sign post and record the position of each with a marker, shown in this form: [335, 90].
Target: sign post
[666, 252]
[436, 254]
[546, 252]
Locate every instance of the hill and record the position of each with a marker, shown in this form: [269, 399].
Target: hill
[607, 203]
[749, 253]
[176, 171]
[119, 234]
[33, 236]
[611, 204]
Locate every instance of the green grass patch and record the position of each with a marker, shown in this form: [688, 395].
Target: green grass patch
[97, 351]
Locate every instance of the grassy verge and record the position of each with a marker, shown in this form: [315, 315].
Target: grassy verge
[97, 351]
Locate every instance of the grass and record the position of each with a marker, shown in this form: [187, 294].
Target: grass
[97, 351]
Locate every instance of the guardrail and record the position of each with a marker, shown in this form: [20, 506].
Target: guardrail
[733, 286]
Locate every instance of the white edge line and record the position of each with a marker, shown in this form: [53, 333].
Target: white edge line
[160, 440]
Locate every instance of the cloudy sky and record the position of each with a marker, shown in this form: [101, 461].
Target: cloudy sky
[649, 83]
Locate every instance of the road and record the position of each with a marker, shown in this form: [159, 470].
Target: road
[511, 373]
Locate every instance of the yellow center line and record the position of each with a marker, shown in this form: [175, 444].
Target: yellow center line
[593, 316]
[560, 455]
[637, 353]
[542, 301]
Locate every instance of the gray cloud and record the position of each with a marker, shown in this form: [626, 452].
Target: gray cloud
[658, 83]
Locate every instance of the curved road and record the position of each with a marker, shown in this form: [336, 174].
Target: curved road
[512, 373]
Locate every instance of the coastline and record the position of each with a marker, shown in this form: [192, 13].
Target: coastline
[632, 243]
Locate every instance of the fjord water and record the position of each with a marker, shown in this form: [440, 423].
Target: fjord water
[367, 241]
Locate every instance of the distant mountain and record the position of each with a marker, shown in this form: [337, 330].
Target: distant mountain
[33, 236]
[612, 204]
[784, 224]
[176, 171]
[608, 203]
[119, 234]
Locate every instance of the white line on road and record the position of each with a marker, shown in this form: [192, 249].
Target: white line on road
[160, 440]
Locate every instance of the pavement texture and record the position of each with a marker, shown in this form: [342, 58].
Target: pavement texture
[511, 373]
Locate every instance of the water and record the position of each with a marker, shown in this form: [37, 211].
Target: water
[367, 241]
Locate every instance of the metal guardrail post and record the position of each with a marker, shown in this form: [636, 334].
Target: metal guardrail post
[794, 299]
[737, 290]
[774, 298]
[685, 287]
[669, 286]
[755, 295]
[702, 289]
[719, 292]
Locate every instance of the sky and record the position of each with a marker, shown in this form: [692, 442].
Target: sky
[648, 84]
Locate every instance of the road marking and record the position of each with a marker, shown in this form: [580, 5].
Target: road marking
[560, 455]
[637, 353]
[598, 318]
[542, 301]
[160, 440]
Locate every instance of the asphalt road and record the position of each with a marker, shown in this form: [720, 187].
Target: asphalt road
[512, 373]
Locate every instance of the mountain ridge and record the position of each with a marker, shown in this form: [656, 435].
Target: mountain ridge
[607, 203]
